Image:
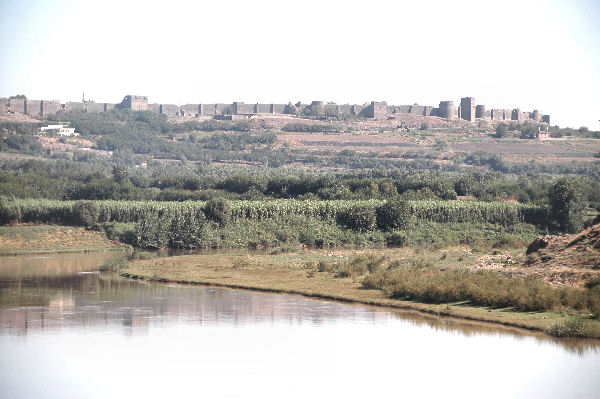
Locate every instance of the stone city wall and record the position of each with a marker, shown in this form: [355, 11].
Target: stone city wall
[190, 109]
[154, 108]
[169, 109]
[17, 105]
[94, 108]
[34, 107]
[50, 107]
[467, 110]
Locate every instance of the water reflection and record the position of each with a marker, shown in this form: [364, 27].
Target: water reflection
[65, 330]
[66, 291]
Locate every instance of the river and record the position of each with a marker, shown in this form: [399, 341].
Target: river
[67, 331]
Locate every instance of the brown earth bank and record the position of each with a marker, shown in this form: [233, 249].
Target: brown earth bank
[300, 273]
[572, 259]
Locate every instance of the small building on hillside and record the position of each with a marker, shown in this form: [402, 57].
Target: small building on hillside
[543, 136]
[59, 130]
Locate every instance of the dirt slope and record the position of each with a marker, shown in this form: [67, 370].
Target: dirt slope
[566, 259]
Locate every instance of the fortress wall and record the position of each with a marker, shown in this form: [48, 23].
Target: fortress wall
[424, 110]
[403, 109]
[109, 107]
[191, 109]
[223, 109]
[331, 108]
[345, 109]
[237, 108]
[415, 109]
[446, 110]
[94, 108]
[154, 108]
[247, 109]
[169, 109]
[207, 109]
[290, 109]
[546, 119]
[480, 111]
[262, 108]
[3, 105]
[516, 115]
[34, 107]
[467, 108]
[74, 106]
[18, 106]
[434, 112]
[50, 107]
[376, 110]
[357, 109]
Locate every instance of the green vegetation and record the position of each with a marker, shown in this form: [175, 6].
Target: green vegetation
[113, 264]
[274, 222]
[571, 328]
[566, 205]
[428, 284]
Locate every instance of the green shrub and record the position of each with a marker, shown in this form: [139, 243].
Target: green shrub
[218, 210]
[86, 213]
[357, 217]
[566, 205]
[394, 215]
[113, 264]
[395, 239]
[9, 212]
[151, 232]
[186, 230]
[571, 328]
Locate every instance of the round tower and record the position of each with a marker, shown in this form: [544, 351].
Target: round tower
[318, 107]
[480, 111]
[536, 115]
[447, 109]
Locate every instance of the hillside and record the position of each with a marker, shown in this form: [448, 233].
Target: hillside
[566, 259]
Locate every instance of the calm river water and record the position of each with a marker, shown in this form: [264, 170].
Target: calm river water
[67, 331]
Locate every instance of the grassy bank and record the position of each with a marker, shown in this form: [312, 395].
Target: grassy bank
[18, 240]
[337, 275]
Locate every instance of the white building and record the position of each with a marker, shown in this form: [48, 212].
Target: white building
[59, 130]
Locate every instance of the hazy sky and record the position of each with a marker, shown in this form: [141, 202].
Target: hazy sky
[529, 54]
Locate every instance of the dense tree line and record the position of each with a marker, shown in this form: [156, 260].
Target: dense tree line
[68, 180]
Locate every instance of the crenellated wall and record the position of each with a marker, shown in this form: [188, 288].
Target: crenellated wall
[17, 105]
[375, 110]
[154, 108]
[168, 109]
[94, 108]
[50, 107]
[190, 109]
[33, 107]
[74, 106]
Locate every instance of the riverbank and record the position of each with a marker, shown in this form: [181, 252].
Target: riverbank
[47, 239]
[309, 273]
